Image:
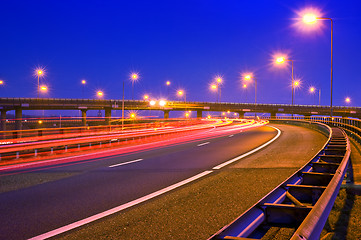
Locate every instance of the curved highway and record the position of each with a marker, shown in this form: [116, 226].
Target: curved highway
[107, 182]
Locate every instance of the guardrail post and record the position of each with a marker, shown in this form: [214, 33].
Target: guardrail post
[66, 148]
[35, 152]
[51, 150]
[17, 155]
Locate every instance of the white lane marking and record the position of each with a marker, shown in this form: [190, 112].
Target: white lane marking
[118, 209]
[250, 152]
[202, 144]
[231, 135]
[125, 163]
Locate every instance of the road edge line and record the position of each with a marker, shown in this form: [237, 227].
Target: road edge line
[118, 209]
[250, 152]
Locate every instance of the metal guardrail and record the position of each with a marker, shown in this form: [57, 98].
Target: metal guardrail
[303, 201]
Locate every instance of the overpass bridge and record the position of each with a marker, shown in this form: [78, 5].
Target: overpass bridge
[20, 104]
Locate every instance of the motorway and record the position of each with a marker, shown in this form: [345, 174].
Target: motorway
[103, 183]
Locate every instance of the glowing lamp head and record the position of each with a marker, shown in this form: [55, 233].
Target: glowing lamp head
[146, 97]
[209, 116]
[40, 121]
[43, 88]
[280, 60]
[347, 100]
[296, 83]
[235, 114]
[219, 79]
[187, 114]
[228, 111]
[132, 115]
[180, 93]
[100, 94]
[312, 89]
[309, 18]
[162, 103]
[244, 85]
[152, 102]
[83, 82]
[1, 82]
[247, 77]
[223, 113]
[167, 83]
[40, 72]
[213, 86]
[134, 76]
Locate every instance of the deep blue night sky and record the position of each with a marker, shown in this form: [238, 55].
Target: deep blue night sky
[185, 42]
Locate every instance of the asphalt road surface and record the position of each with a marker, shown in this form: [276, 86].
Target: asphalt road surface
[107, 182]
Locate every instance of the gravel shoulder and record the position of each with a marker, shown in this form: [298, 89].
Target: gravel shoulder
[198, 210]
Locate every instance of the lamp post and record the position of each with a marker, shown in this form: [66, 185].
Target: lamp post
[215, 88]
[167, 83]
[296, 84]
[44, 89]
[39, 72]
[83, 82]
[249, 77]
[245, 91]
[134, 77]
[313, 90]
[181, 93]
[312, 19]
[282, 60]
[123, 107]
[219, 81]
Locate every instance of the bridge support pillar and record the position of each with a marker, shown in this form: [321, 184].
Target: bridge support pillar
[3, 120]
[83, 117]
[273, 115]
[199, 114]
[108, 115]
[18, 121]
[240, 114]
[166, 114]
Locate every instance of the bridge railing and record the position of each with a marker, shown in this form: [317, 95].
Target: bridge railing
[304, 200]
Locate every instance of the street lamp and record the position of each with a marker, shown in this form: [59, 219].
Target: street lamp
[219, 81]
[215, 88]
[134, 77]
[167, 83]
[282, 60]
[100, 94]
[313, 90]
[43, 88]
[347, 100]
[310, 18]
[1, 82]
[39, 73]
[296, 84]
[181, 93]
[83, 82]
[146, 97]
[162, 103]
[249, 77]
